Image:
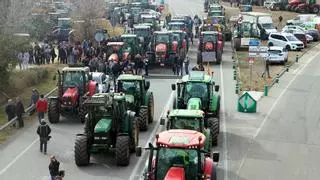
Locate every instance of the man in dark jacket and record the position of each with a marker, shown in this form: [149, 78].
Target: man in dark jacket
[10, 109]
[54, 167]
[43, 131]
[19, 111]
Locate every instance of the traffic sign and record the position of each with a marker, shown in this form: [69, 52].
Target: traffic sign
[254, 42]
[247, 103]
[99, 36]
[251, 60]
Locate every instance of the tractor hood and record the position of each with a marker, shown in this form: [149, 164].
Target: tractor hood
[103, 126]
[70, 92]
[194, 103]
[161, 47]
[175, 173]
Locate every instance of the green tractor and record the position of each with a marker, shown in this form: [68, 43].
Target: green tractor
[132, 44]
[182, 38]
[144, 34]
[198, 91]
[150, 19]
[138, 97]
[109, 127]
[193, 120]
[243, 33]
[223, 26]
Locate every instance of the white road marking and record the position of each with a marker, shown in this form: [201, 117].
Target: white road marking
[224, 126]
[18, 157]
[283, 91]
[134, 173]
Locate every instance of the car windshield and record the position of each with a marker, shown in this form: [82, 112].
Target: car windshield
[130, 87]
[163, 38]
[291, 38]
[186, 158]
[72, 78]
[97, 79]
[274, 52]
[195, 90]
[185, 123]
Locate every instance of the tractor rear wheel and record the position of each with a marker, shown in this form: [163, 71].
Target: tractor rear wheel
[213, 124]
[123, 150]
[81, 151]
[134, 135]
[143, 119]
[151, 109]
[54, 111]
[82, 113]
[219, 57]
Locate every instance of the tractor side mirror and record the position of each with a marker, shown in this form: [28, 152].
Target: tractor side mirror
[215, 157]
[162, 121]
[216, 88]
[138, 151]
[147, 85]
[173, 87]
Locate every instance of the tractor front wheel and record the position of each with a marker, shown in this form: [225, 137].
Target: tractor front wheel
[213, 124]
[81, 151]
[143, 119]
[123, 150]
[54, 111]
[134, 135]
[151, 108]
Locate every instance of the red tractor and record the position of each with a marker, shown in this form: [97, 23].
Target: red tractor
[180, 154]
[210, 47]
[309, 7]
[74, 86]
[293, 4]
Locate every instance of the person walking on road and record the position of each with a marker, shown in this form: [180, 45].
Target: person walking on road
[43, 131]
[42, 107]
[146, 64]
[10, 110]
[186, 65]
[54, 168]
[34, 99]
[266, 70]
[19, 112]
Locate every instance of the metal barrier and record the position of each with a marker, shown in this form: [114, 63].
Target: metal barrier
[236, 72]
[28, 110]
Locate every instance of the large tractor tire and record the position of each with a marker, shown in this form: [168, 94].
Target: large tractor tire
[237, 43]
[82, 113]
[54, 111]
[219, 57]
[81, 151]
[151, 109]
[134, 135]
[123, 150]
[88, 129]
[213, 124]
[143, 119]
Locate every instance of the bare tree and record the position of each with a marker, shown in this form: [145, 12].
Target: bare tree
[89, 12]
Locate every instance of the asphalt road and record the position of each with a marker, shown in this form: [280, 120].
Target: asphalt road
[22, 154]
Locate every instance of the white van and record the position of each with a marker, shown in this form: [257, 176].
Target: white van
[260, 21]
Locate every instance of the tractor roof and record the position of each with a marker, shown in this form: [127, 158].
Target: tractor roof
[148, 16]
[130, 77]
[197, 76]
[146, 24]
[162, 32]
[176, 23]
[103, 99]
[141, 26]
[209, 33]
[186, 113]
[86, 69]
[215, 5]
[181, 138]
[115, 44]
[128, 35]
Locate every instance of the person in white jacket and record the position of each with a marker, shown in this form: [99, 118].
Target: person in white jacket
[25, 63]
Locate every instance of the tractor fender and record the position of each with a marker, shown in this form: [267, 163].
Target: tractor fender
[126, 125]
[208, 167]
[214, 103]
[146, 98]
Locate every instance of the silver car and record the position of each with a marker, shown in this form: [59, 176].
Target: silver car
[102, 80]
[277, 54]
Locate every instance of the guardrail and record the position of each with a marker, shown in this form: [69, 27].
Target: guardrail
[28, 110]
[236, 72]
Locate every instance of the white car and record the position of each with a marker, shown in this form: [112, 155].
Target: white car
[285, 40]
[293, 27]
[309, 38]
[102, 80]
[277, 54]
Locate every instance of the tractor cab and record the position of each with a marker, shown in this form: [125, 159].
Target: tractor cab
[244, 30]
[144, 34]
[217, 22]
[215, 13]
[187, 20]
[177, 26]
[150, 19]
[182, 39]
[213, 27]
[213, 37]
[115, 51]
[180, 154]
[164, 47]
[135, 11]
[195, 91]
[132, 45]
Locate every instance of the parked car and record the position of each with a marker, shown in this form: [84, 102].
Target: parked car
[102, 80]
[302, 36]
[309, 38]
[312, 32]
[285, 40]
[277, 54]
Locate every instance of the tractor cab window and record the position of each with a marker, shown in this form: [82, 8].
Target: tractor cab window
[130, 87]
[148, 20]
[185, 158]
[72, 78]
[176, 37]
[163, 38]
[195, 90]
[209, 38]
[185, 123]
[141, 32]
